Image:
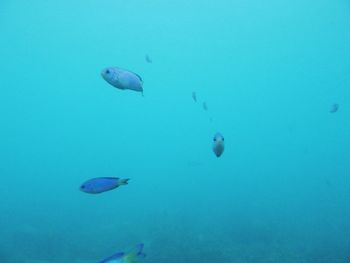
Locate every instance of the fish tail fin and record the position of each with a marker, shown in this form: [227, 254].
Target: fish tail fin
[139, 250]
[123, 181]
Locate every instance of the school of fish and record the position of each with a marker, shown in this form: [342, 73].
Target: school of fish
[123, 79]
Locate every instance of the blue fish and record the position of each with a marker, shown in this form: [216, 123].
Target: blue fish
[122, 79]
[122, 257]
[205, 106]
[102, 184]
[334, 108]
[194, 96]
[148, 59]
[218, 144]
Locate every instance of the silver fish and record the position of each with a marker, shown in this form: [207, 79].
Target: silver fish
[123, 79]
[218, 144]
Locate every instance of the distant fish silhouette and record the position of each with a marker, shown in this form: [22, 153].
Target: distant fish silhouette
[148, 59]
[205, 106]
[194, 96]
[334, 108]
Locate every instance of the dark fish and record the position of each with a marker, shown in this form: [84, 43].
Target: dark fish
[148, 59]
[334, 108]
[194, 96]
[102, 184]
[218, 144]
[205, 107]
[122, 257]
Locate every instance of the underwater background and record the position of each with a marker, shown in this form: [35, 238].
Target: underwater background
[269, 72]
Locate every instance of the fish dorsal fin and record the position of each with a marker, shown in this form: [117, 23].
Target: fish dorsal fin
[138, 77]
[126, 70]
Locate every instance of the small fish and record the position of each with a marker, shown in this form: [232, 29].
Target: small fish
[122, 257]
[205, 107]
[194, 96]
[334, 108]
[328, 182]
[122, 79]
[102, 184]
[218, 144]
[148, 59]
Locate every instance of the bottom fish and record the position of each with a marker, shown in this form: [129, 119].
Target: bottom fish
[122, 257]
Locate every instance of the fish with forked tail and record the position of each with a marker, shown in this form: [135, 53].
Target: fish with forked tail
[102, 184]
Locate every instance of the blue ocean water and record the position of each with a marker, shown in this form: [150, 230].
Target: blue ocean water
[269, 72]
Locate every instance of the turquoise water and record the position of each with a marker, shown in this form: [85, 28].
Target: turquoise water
[269, 72]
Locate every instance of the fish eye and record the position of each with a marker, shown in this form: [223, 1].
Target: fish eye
[214, 139]
[82, 187]
[107, 71]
